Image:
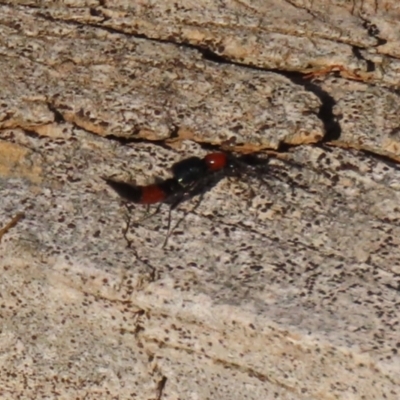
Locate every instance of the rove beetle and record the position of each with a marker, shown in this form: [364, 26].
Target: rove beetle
[191, 177]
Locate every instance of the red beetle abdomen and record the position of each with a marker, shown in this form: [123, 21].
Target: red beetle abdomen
[152, 194]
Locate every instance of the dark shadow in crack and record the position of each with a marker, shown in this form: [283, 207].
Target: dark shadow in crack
[332, 128]
[325, 113]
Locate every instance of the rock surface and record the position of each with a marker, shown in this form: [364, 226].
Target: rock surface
[288, 290]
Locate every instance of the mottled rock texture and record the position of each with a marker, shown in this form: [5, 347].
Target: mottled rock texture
[289, 290]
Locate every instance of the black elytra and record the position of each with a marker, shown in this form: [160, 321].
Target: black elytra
[189, 170]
